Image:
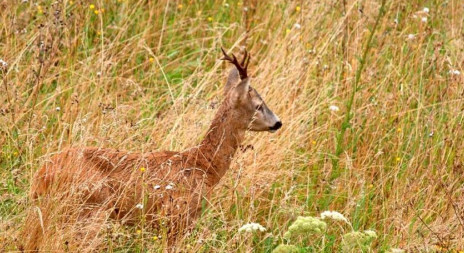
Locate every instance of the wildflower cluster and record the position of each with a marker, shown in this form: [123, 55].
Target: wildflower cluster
[358, 240]
[423, 14]
[250, 227]
[304, 226]
[353, 241]
[96, 11]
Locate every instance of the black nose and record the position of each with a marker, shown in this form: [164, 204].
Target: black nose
[276, 126]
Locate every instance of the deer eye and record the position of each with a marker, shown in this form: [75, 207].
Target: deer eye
[259, 107]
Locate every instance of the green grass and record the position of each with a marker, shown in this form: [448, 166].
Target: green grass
[146, 75]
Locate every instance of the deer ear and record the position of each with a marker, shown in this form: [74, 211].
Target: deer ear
[239, 91]
[232, 80]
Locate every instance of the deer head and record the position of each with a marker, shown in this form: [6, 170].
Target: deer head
[245, 100]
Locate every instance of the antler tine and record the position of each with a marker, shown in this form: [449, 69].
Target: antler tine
[235, 62]
[232, 59]
[226, 56]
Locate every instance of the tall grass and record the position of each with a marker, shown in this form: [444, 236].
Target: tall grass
[146, 75]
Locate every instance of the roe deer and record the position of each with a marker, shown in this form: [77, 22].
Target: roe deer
[165, 187]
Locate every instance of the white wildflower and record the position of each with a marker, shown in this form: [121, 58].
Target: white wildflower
[371, 233]
[455, 72]
[396, 21]
[99, 73]
[3, 63]
[426, 10]
[226, 5]
[396, 250]
[170, 186]
[297, 26]
[139, 206]
[58, 108]
[334, 215]
[250, 227]
[424, 20]
[411, 36]
[156, 187]
[245, 9]
[334, 108]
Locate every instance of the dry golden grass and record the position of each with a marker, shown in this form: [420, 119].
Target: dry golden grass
[146, 75]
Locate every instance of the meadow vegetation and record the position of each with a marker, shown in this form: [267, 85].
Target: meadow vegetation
[370, 94]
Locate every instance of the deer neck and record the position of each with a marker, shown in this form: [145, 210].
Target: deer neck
[220, 143]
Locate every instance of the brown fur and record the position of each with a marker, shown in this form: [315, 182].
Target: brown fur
[111, 180]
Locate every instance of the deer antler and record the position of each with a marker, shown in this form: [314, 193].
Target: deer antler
[241, 67]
